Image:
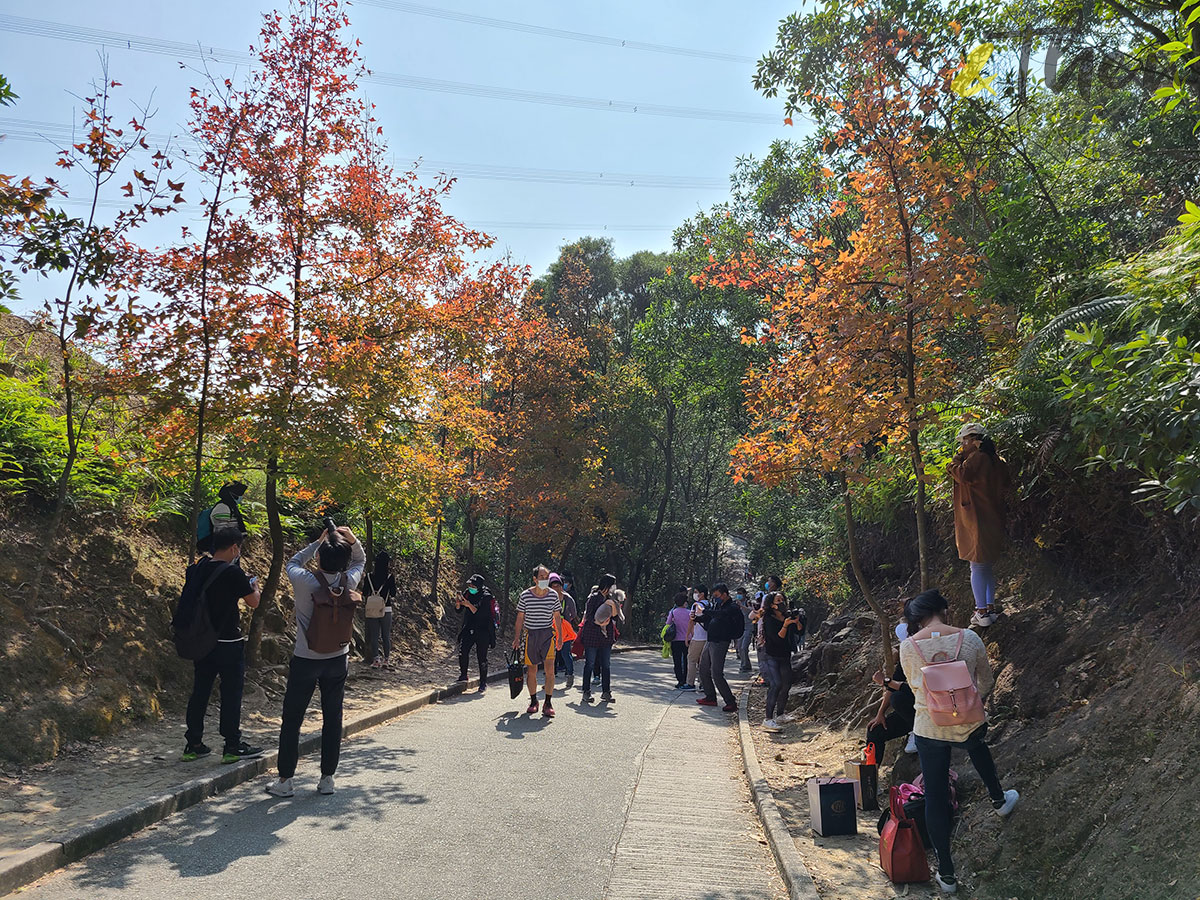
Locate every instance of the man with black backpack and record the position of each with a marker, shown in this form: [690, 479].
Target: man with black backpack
[207, 629]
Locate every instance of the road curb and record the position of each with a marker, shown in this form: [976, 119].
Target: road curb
[26, 866]
[795, 874]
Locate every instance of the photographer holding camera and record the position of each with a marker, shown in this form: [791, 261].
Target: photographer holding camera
[781, 633]
[325, 602]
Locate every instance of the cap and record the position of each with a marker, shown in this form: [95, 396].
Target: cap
[476, 580]
[971, 428]
[554, 576]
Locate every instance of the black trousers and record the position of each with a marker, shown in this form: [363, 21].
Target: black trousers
[227, 660]
[480, 642]
[679, 657]
[304, 676]
[894, 726]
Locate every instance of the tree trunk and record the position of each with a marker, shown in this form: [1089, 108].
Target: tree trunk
[505, 604]
[668, 448]
[885, 625]
[922, 525]
[566, 550]
[271, 587]
[437, 563]
[369, 534]
[472, 527]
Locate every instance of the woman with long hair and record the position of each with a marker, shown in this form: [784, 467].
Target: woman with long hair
[981, 484]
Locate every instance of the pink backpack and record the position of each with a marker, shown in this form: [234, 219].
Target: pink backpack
[950, 692]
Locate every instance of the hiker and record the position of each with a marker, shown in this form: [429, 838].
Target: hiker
[537, 624]
[981, 483]
[723, 622]
[223, 584]
[896, 710]
[340, 560]
[697, 636]
[781, 632]
[743, 644]
[681, 619]
[225, 513]
[478, 628]
[773, 585]
[568, 617]
[597, 634]
[379, 590]
[932, 640]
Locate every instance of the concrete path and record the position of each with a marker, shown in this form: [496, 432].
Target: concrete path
[471, 798]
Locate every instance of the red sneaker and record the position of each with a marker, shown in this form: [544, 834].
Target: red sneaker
[729, 707]
[533, 707]
[548, 711]
[704, 701]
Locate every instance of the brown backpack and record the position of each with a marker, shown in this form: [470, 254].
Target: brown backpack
[332, 623]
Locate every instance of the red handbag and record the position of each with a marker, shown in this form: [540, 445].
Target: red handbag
[901, 853]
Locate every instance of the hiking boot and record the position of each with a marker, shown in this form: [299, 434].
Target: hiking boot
[240, 752]
[482, 685]
[607, 697]
[533, 706]
[192, 752]
[377, 662]
[948, 885]
[1010, 800]
[587, 698]
[771, 725]
[547, 710]
[281, 788]
[462, 676]
[728, 707]
[325, 785]
[570, 682]
[704, 701]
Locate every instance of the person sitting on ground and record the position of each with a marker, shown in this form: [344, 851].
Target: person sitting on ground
[697, 636]
[932, 640]
[341, 560]
[478, 628]
[537, 624]
[723, 621]
[896, 710]
[223, 584]
[780, 634]
[981, 485]
[597, 634]
[381, 583]
[682, 620]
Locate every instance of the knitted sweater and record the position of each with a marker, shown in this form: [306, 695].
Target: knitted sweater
[938, 649]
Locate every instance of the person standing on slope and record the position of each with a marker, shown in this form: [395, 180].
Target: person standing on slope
[981, 484]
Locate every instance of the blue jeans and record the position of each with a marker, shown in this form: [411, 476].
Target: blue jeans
[935, 766]
[983, 584]
[779, 682]
[567, 658]
[598, 659]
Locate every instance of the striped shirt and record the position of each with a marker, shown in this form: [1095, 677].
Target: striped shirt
[539, 611]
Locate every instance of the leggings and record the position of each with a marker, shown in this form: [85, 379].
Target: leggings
[935, 766]
[779, 683]
[983, 584]
[377, 630]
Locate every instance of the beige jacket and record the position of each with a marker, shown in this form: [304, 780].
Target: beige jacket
[938, 650]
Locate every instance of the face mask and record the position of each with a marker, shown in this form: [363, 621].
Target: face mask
[696, 597]
[472, 590]
[543, 585]
[766, 585]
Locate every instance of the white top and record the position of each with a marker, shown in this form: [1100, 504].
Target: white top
[699, 633]
[939, 649]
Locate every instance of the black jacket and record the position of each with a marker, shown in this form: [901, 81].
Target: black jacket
[723, 622]
[480, 622]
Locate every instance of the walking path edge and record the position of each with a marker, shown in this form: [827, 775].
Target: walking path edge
[795, 874]
[26, 866]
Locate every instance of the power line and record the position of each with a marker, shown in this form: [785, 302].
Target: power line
[79, 34]
[469, 18]
[34, 130]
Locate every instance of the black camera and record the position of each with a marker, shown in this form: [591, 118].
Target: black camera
[330, 529]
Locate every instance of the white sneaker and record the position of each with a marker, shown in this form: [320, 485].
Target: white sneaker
[1010, 800]
[982, 619]
[950, 887]
[325, 785]
[771, 725]
[281, 788]
[785, 719]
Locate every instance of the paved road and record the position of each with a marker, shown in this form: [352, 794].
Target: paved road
[473, 799]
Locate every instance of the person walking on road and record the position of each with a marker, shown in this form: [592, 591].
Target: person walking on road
[221, 584]
[379, 590]
[569, 618]
[723, 622]
[537, 626]
[597, 634]
[743, 645]
[932, 640]
[697, 636]
[478, 628]
[981, 484]
[682, 620]
[781, 632]
[341, 561]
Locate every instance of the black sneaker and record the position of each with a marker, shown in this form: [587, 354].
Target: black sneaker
[607, 698]
[240, 752]
[192, 752]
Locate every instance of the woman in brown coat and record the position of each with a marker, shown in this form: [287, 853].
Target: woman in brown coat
[981, 483]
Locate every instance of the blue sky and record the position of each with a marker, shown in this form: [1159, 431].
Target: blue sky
[448, 127]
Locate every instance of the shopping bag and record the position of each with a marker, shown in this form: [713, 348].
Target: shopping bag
[516, 672]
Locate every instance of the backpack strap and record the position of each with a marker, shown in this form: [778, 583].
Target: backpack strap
[221, 567]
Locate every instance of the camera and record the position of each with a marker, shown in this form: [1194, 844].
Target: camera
[330, 529]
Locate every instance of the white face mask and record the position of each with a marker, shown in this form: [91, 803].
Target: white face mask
[543, 584]
[696, 597]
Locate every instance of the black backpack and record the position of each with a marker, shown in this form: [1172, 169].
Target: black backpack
[191, 627]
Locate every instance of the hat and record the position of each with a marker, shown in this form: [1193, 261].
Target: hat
[902, 631]
[554, 576]
[476, 580]
[971, 428]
